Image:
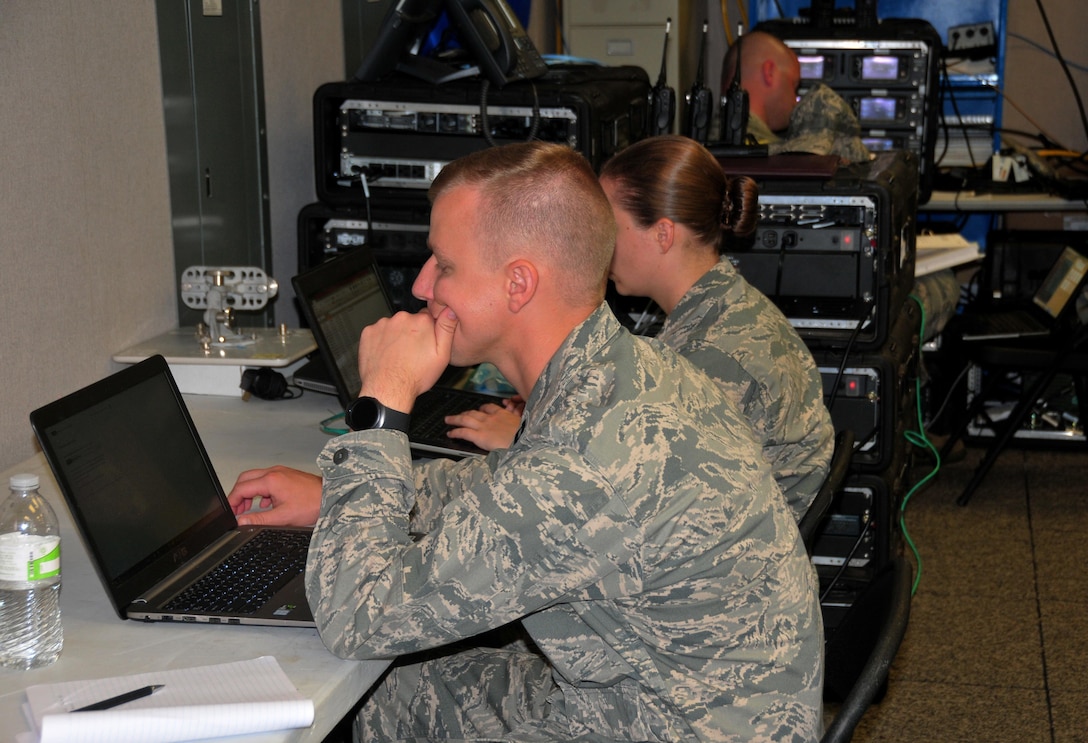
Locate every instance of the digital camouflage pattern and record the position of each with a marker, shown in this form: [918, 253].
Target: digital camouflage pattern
[939, 293]
[822, 123]
[735, 334]
[635, 528]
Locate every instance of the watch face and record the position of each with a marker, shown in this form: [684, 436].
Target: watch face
[367, 413]
[362, 414]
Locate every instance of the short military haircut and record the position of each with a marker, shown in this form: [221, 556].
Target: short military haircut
[542, 200]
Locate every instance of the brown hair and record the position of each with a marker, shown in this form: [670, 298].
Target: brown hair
[544, 199]
[675, 177]
[753, 49]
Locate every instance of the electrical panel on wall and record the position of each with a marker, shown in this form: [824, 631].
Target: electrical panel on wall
[215, 138]
[616, 34]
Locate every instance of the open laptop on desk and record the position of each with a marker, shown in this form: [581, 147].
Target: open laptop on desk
[339, 298]
[1054, 297]
[148, 505]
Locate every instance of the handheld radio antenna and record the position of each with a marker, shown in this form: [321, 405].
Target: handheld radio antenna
[702, 57]
[662, 97]
[735, 104]
[699, 100]
[664, 52]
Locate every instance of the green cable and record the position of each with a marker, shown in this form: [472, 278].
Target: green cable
[327, 427]
[919, 439]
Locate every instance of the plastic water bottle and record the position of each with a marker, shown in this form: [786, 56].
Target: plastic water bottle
[30, 628]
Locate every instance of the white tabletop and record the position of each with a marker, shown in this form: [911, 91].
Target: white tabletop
[969, 201]
[97, 644]
[258, 347]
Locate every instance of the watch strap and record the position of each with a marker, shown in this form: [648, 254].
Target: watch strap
[368, 413]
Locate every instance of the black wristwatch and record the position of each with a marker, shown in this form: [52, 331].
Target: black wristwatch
[367, 413]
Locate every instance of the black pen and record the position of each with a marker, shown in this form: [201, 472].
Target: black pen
[128, 696]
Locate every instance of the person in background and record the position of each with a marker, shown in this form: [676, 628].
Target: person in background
[673, 203]
[632, 536]
[820, 122]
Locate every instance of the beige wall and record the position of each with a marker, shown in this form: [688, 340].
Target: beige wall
[1034, 81]
[85, 238]
[84, 206]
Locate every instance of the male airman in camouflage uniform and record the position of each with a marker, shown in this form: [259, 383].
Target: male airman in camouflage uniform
[633, 528]
[747, 346]
[820, 122]
[664, 191]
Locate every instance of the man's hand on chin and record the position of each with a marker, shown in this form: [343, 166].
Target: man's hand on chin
[401, 357]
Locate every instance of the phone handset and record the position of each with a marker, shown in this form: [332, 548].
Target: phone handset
[699, 101]
[497, 40]
[662, 97]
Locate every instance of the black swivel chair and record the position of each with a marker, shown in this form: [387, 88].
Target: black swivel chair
[836, 475]
[1016, 264]
[1037, 363]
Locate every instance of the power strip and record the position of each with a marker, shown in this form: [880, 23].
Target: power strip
[976, 39]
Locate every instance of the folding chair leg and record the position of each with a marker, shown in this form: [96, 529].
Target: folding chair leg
[1006, 432]
[973, 410]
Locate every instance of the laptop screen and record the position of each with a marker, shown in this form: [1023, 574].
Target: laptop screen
[134, 474]
[340, 298]
[1061, 283]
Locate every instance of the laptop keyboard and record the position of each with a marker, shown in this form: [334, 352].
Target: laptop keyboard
[246, 580]
[428, 421]
[428, 416]
[1014, 321]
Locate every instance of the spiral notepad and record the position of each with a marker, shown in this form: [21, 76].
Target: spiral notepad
[209, 701]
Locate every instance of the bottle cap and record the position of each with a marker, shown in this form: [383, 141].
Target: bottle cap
[23, 482]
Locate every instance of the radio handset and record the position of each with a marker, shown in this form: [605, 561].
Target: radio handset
[497, 40]
[735, 107]
[662, 97]
[699, 101]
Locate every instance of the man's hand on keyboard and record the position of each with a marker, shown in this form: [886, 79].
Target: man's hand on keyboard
[281, 496]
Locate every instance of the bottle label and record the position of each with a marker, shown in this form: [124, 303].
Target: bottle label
[27, 557]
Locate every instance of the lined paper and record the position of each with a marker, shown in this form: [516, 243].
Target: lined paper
[251, 696]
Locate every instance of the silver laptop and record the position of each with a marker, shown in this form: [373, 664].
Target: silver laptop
[152, 514]
[1053, 298]
[339, 298]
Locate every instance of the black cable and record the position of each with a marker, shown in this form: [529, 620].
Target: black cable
[780, 267]
[832, 395]
[846, 562]
[946, 87]
[268, 384]
[1064, 65]
[648, 313]
[948, 396]
[959, 117]
[534, 128]
[1038, 136]
[369, 216]
[362, 174]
